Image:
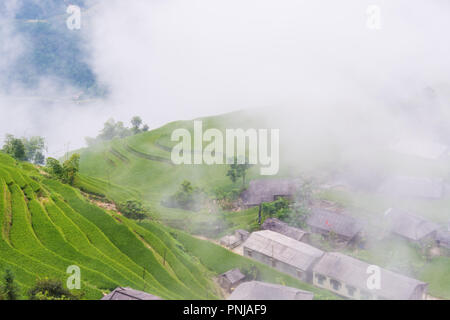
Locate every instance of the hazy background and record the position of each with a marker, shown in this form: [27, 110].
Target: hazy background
[309, 62]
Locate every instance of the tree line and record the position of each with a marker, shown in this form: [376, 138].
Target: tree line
[117, 130]
[25, 149]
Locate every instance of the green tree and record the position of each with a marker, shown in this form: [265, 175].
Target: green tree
[54, 168]
[71, 168]
[238, 170]
[136, 122]
[112, 130]
[34, 149]
[14, 147]
[66, 172]
[134, 209]
[9, 290]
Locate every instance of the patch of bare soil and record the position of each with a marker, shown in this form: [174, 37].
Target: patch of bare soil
[110, 206]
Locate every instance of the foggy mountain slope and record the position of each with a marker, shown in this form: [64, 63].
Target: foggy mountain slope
[48, 226]
[142, 162]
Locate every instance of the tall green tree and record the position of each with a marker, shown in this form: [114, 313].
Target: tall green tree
[238, 170]
[34, 149]
[14, 147]
[9, 290]
[71, 168]
[136, 123]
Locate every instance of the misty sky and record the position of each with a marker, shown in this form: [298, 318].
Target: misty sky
[170, 60]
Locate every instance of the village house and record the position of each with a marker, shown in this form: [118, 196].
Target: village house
[231, 279]
[234, 240]
[256, 290]
[347, 277]
[410, 226]
[279, 226]
[129, 294]
[415, 187]
[282, 253]
[268, 190]
[344, 227]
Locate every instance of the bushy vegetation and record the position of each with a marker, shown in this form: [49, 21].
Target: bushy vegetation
[50, 289]
[9, 289]
[116, 130]
[134, 209]
[188, 197]
[67, 172]
[25, 149]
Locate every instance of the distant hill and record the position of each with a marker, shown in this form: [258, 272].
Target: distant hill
[46, 226]
[53, 50]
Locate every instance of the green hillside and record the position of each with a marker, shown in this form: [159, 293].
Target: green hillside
[47, 226]
[142, 163]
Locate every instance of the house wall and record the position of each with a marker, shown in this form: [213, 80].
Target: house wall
[358, 294]
[303, 275]
[419, 292]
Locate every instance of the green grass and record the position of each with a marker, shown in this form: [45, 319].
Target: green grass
[154, 180]
[47, 226]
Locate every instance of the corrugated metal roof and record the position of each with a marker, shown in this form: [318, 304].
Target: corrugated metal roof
[338, 223]
[233, 275]
[284, 249]
[354, 272]
[129, 294]
[409, 225]
[264, 190]
[256, 290]
[276, 225]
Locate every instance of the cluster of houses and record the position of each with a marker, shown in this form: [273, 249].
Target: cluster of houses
[348, 229]
[334, 271]
[288, 249]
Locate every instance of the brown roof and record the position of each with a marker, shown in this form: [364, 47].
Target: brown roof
[129, 294]
[338, 223]
[354, 272]
[265, 190]
[256, 290]
[233, 275]
[283, 228]
[409, 225]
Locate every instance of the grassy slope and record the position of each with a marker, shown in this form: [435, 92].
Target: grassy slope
[136, 163]
[47, 226]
